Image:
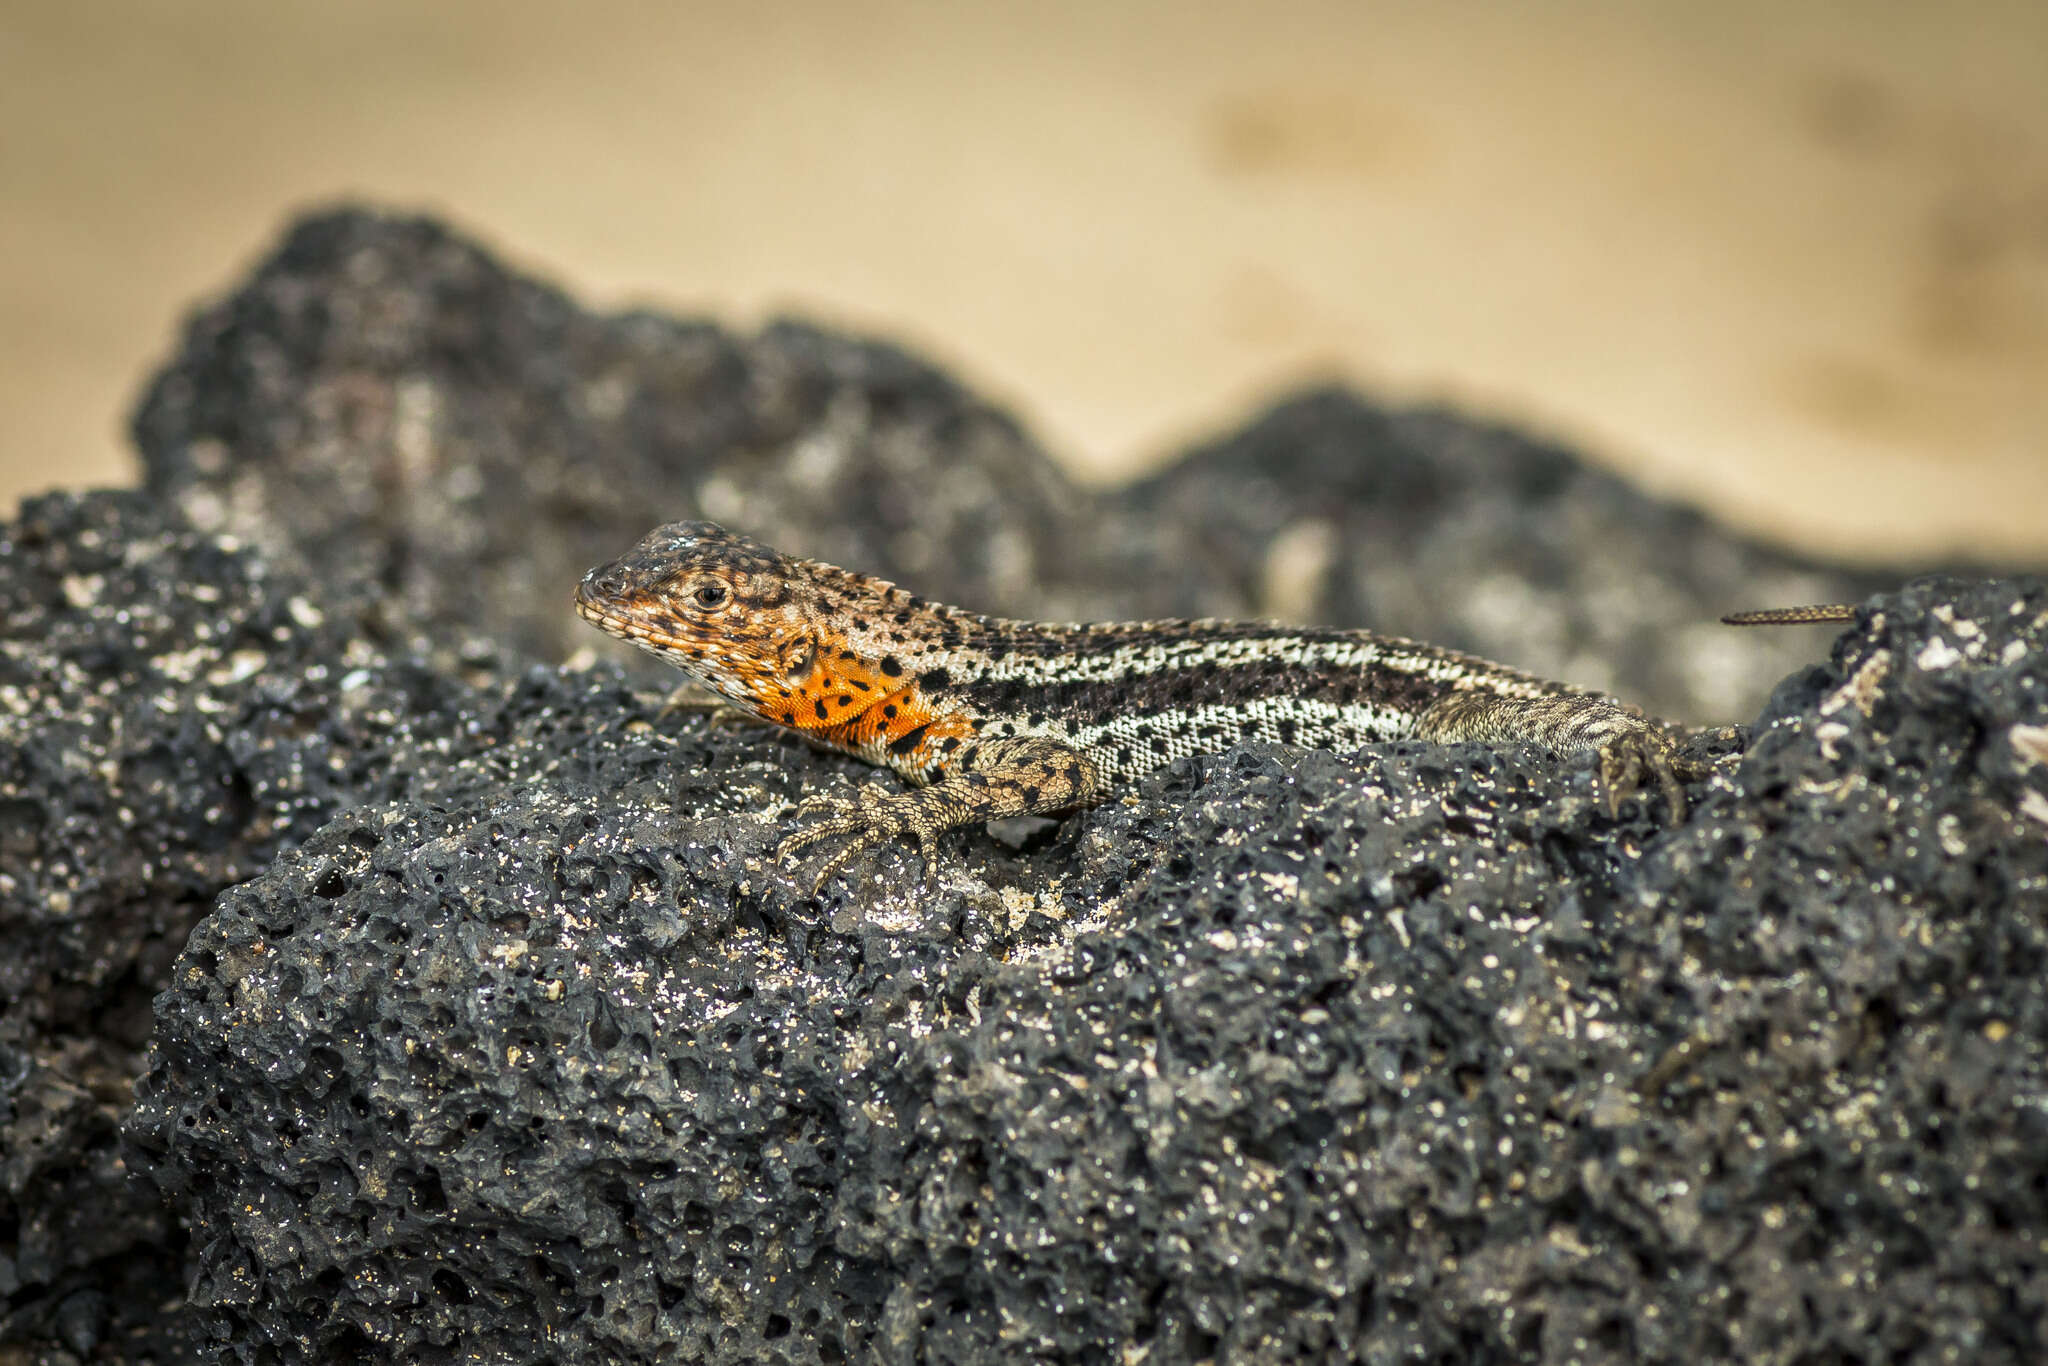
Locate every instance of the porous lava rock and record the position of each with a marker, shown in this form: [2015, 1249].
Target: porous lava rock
[1413, 1053]
[501, 1038]
[158, 741]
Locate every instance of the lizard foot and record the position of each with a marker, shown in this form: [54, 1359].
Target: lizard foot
[870, 820]
[1639, 759]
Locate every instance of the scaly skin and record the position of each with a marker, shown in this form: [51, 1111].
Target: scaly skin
[991, 718]
[1831, 614]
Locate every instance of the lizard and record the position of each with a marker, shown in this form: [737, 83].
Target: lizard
[988, 718]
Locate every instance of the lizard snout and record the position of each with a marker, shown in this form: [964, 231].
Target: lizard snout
[606, 582]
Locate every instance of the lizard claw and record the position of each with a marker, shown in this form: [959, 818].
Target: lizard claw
[1638, 759]
[868, 820]
[865, 837]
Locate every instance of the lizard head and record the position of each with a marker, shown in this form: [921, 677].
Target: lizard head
[726, 610]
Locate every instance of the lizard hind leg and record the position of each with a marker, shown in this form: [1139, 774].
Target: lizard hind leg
[1632, 753]
[1025, 776]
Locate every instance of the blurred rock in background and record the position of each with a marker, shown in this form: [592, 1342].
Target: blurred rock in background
[1784, 261]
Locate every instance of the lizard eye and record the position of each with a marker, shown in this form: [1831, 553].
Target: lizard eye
[711, 596]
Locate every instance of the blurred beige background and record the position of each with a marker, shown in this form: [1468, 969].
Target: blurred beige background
[1789, 260]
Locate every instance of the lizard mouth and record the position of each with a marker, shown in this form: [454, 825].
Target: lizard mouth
[630, 626]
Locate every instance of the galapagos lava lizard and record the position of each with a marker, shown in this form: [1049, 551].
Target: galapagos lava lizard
[990, 718]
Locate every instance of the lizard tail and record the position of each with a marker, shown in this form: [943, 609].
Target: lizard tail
[1793, 616]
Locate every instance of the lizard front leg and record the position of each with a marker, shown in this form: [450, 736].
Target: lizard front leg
[1632, 752]
[1025, 776]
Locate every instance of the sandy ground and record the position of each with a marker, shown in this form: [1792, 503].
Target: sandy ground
[1788, 260]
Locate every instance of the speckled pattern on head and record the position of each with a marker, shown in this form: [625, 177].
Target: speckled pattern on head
[1007, 717]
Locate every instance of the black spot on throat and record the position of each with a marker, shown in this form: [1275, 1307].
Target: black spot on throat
[909, 740]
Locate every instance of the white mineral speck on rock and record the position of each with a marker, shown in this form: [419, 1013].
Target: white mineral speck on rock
[2031, 742]
[2035, 805]
[83, 590]
[1938, 654]
[240, 665]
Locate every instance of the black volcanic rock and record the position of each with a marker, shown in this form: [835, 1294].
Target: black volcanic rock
[387, 409]
[150, 754]
[1431, 525]
[1410, 1052]
[1861, 948]
[499, 1038]
[575, 1061]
